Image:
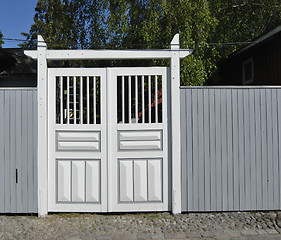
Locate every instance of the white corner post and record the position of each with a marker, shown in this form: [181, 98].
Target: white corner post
[175, 125]
[42, 160]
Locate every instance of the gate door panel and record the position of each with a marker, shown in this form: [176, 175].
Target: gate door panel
[77, 140]
[137, 129]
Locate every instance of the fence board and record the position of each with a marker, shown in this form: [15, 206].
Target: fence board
[2, 153]
[18, 150]
[232, 154]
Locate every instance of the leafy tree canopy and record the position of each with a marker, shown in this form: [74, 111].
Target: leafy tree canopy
[207, 26]
[1, 41]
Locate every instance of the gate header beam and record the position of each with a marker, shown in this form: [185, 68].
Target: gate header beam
[109, 54]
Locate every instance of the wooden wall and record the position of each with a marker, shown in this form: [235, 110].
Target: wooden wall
[231, 148]
[18, 150]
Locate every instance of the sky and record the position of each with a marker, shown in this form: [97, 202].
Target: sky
[16, 16]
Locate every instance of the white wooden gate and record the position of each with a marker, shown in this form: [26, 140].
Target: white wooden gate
[121, 146]
[107, 140]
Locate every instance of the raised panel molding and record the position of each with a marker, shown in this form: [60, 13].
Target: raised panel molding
[78, 141]
[140, 180]
[129, 140]
[78, 181]
[63, 181]
[78, 136]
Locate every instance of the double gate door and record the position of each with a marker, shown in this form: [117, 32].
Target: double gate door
[107, 140]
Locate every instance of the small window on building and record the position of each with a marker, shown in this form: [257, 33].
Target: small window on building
[248, 71]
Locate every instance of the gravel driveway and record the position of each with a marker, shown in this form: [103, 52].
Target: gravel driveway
[235, 225]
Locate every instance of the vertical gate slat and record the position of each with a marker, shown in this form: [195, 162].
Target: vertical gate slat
[74, 99]
[136, 98]
[2, 152]
[123, 100]
[130, 99]
[95, 99]
[81, 100]
[67, 100]
[61, 100]
[88, 100]
[156, 99]
[142, 94]
[149, 99]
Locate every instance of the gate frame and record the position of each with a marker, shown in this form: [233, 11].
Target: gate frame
[42, 54]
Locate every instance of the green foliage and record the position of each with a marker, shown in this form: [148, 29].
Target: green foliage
[1, 41]
[152, 24]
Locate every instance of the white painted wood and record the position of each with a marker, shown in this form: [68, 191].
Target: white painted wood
[154, 180]
[42, 127]
[78, 146]
[149, 99]
[130, 99]
[175, 123]
[126, 181]
[140, 135]
[123, 100]
[93, 183]
[88, 100]
[64, 181]
[79, 136]
[95, 100]
[67, 101]
[81, 101]
[156, 99]
[74, 100]
[78, 181]
[133, 159]
[136, 98]
[140, 145]
[110, 54]
[140, 180]
[61, 100]
[84, 145]
[142, 101]
[175, 53]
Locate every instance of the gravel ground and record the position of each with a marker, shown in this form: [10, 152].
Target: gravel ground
[234, 225]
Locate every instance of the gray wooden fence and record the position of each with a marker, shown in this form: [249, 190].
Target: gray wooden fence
[231, 148]
[18, 150]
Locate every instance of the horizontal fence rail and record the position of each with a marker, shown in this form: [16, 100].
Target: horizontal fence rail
[18, 150]
[231, 154]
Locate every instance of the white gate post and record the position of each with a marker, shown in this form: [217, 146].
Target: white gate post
[42, 162]
[175, 125]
